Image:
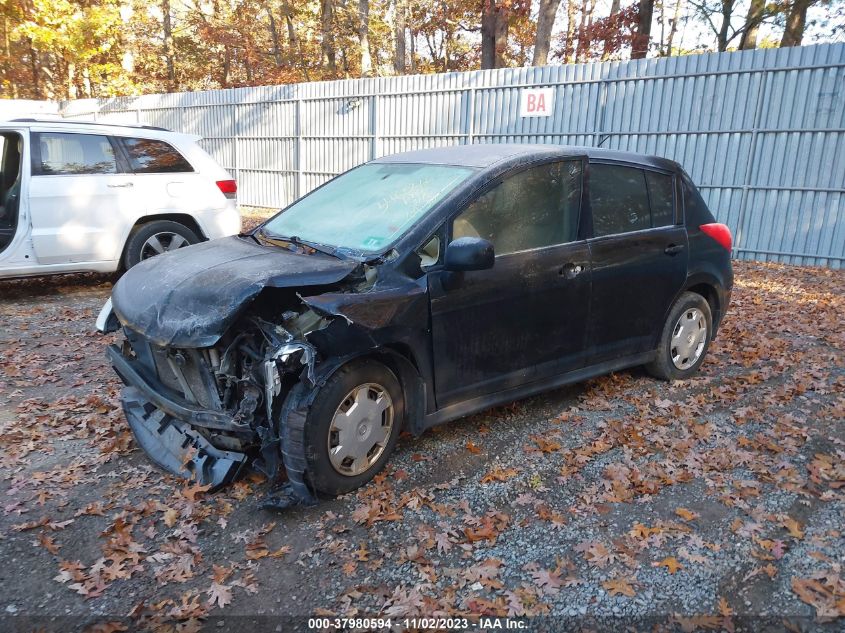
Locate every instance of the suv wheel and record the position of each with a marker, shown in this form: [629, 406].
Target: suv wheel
[684, 340]
[155, 238]
[352, 426]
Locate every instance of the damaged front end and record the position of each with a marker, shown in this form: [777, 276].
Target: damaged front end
[215, 340]
[201, 413]
[226, 347]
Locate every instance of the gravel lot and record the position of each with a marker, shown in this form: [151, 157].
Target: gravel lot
[621, 502]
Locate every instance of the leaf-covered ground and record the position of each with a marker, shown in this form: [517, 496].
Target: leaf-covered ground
[716, 503]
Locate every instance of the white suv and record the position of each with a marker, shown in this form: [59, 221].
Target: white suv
[84, 196]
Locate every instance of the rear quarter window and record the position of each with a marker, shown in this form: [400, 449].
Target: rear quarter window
[661, 192]
[150, 156]
[696, 212]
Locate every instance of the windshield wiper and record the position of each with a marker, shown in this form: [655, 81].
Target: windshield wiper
[297, 241]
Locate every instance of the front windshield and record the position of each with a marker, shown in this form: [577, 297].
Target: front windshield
[370, 207]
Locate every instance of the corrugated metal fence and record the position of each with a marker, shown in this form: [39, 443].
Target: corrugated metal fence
[761, 132]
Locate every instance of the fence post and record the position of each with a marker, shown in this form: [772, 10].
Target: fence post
[601, 113]
[297, 130]
[470, 138]
[373, 127]
[749, 164]
[235, 134]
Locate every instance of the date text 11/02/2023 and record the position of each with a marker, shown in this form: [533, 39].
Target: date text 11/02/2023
[452, 624]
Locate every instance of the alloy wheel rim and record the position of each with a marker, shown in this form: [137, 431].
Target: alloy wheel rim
[360, 429]
[163, 242]
[688, 338]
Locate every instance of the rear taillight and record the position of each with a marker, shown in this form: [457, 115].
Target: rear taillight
[228, 187]
[720, 233]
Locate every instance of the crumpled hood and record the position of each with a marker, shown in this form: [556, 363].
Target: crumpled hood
[190, 297]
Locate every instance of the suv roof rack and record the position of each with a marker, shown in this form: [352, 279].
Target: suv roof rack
[78, 122]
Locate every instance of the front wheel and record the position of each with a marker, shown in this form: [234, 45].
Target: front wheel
[684, 340]
[155, 238]
[352, 426]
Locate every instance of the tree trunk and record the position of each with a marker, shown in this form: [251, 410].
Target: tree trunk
[545, 24]
[488, 34]
[582, 32]
[327, 42]
[168, 46]
[274, 37]
[399, 23]
[569, 45]
[752, 25]
[795, 22]
[494, 33]
[722, 36]
[413, 50]
[674, 28]
[294, 41]
[642, 37]
[364, 37]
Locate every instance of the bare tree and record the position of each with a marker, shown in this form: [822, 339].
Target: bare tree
[545, 24]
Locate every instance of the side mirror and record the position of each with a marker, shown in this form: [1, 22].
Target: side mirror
[469, 253]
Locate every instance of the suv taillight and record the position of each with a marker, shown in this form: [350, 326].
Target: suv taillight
[720, 233]
[228, 188]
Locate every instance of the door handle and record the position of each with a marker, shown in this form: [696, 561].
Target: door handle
[673, 249]
[125, 184]
[570, 270]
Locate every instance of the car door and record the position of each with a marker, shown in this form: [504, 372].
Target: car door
[638, 252]
[80, 195]
[525, 318]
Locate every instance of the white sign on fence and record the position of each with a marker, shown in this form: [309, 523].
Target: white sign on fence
[537, 102]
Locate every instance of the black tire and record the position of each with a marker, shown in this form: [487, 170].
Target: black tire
[322, 473]
[663, 366]
[140, 234]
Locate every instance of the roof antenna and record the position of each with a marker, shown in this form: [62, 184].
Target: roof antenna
[601, 142]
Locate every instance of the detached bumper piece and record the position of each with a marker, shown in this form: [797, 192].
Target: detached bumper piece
[163, 427]
[176, 447]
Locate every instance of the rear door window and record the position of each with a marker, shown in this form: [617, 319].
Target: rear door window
[534, 208]
[74, 154]
[149, 156]
[661, 192]
[618, 199]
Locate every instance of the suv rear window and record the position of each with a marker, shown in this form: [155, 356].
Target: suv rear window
[75, 154]
[148, 156]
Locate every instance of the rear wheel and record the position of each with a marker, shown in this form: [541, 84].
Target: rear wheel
[684, 340]
[155, 238]
[353, 426]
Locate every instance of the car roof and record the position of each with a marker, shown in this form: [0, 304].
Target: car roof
[485, 155]
[97, 127]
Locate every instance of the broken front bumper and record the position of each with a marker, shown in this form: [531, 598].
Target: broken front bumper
[164, 426]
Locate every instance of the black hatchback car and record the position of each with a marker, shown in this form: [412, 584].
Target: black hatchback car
[407, 292]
